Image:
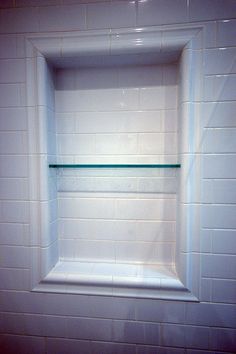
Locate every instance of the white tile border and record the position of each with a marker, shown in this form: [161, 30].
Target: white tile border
[110, 42]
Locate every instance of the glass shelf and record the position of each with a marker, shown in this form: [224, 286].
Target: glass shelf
[115, 165]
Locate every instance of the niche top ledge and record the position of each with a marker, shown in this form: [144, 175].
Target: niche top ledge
[115, 165]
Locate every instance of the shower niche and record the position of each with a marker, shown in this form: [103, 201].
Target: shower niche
[105, 132]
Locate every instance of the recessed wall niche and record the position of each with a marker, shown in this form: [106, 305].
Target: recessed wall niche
[116, 229]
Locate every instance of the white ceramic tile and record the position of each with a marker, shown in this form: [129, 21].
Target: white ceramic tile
[86, 328]
[161, 12]
[220, 61]
[9, 343]
[146, 209]
[8, 46]
[219, 88]
[13, 142]
[97, 100]
[16, 257]
[226, 33]
[94, 78]
[95, 250]
[19, 20]
[108, 348]
[219, 141]
[223, 241]
[86, 208]
[10, 95]
[62, 345]
[12, 70]
[15, 279]
[140, 76]
[62, 18]
[152, 98]
[157, 143]
[106, 15]
[136, 43]
[14, 234]
[14, 188]
[223, 339]
[219, 191]
[14, 211]
[219, 114]
[13, 119]
[73, 46]
[212, 166]
[224, 291]
[218, 216]
[26, 3]
[99, 16]
[218, 266]
[116, 144]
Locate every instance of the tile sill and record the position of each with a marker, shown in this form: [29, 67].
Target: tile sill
[113, 279]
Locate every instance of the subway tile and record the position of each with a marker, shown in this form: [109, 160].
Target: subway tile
[223, 241]
[10, 95]
[224, 291]
[219, 88]
[219, 166]
[16, 189]
[13, 119]
[15, 279]
[223, 339]
[218, 216]
[112, 307]
[12, 323]
[73, 144]
[99, 16]
[8, 46]
[86, 208]
[14, 257]
[19, 20]
[112, 348]
[218, 114]
[219, 141]
[62, 18]
[226, 33]
[65, 345]
[116, 144]
[88, 328]
[97, 100]
[219, 61]
[135, 332]
[12, 70]
[160, 311]
[211, 315]
[219, 191]
[157, 143]
[218, 266]
[140, 76]
[14, 234]
[13, 166]
[122, 14]
[146, 209]
[14, 211]
[11, 343]
[172, 335]
[44, 325]
[27, 3]
[146, 349]
[94, 250]
[152, 98]
[161, 12]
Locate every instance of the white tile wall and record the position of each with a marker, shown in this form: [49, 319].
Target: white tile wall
[117, 111]
[158, 326]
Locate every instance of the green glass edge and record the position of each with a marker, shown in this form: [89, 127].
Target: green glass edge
[115, 166]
